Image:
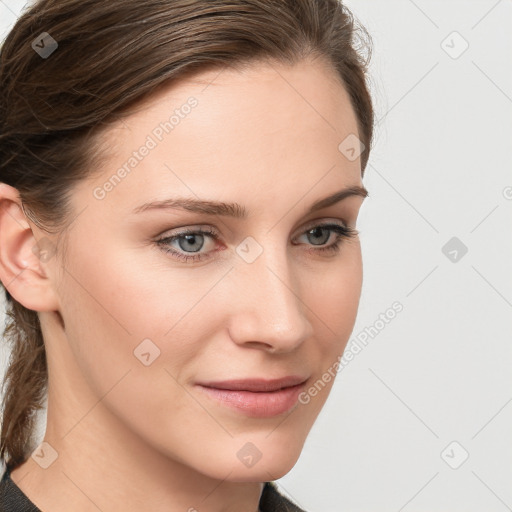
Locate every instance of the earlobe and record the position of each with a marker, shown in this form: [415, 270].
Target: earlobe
[23, 261]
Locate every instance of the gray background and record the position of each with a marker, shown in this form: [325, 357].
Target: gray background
[432, 386]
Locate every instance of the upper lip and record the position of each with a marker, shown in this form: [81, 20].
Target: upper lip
[256, 385]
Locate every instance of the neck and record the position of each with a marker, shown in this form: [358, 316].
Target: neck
[103, 465]
[97, 471]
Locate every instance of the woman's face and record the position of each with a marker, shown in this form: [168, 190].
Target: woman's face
[267, 297]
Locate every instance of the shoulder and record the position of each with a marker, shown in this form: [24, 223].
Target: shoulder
[12, 499]
[273, 501]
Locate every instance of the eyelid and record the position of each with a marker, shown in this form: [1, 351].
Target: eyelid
[323, 221]
[210, 230]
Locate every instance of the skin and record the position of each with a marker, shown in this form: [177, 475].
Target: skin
[130, 436]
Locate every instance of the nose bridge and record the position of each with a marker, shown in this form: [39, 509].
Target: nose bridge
[271, 299]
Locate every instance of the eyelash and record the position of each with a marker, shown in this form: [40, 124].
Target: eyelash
[343, 233]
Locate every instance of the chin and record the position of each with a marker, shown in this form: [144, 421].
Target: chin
[253, 458]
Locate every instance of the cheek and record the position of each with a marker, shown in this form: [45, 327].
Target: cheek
[334, 298]
[104, 317]
[116, 329]
[123, 313]
[334, 302]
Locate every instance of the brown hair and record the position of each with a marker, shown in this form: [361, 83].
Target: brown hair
[110, 55]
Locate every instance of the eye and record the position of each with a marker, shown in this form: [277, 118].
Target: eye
[190, 239]
[318, 234]
[186, 245]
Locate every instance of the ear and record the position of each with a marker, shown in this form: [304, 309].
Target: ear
[23, 258]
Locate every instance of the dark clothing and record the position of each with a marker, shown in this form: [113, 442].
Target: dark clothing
[12, 498]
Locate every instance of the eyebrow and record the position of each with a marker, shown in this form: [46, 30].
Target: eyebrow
[238, 211]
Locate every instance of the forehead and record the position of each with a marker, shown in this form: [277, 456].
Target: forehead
[248, 129]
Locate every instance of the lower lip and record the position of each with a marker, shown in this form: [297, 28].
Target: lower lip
[257, 404]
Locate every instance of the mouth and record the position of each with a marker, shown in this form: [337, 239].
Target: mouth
[257, 398]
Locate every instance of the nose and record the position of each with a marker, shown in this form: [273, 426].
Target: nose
[268, 310]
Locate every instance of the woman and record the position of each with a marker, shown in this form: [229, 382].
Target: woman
[180, 184]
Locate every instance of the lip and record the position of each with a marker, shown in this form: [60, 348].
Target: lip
[258, 398]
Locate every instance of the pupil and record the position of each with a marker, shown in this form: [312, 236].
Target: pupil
[190, 241]
[317, 233]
